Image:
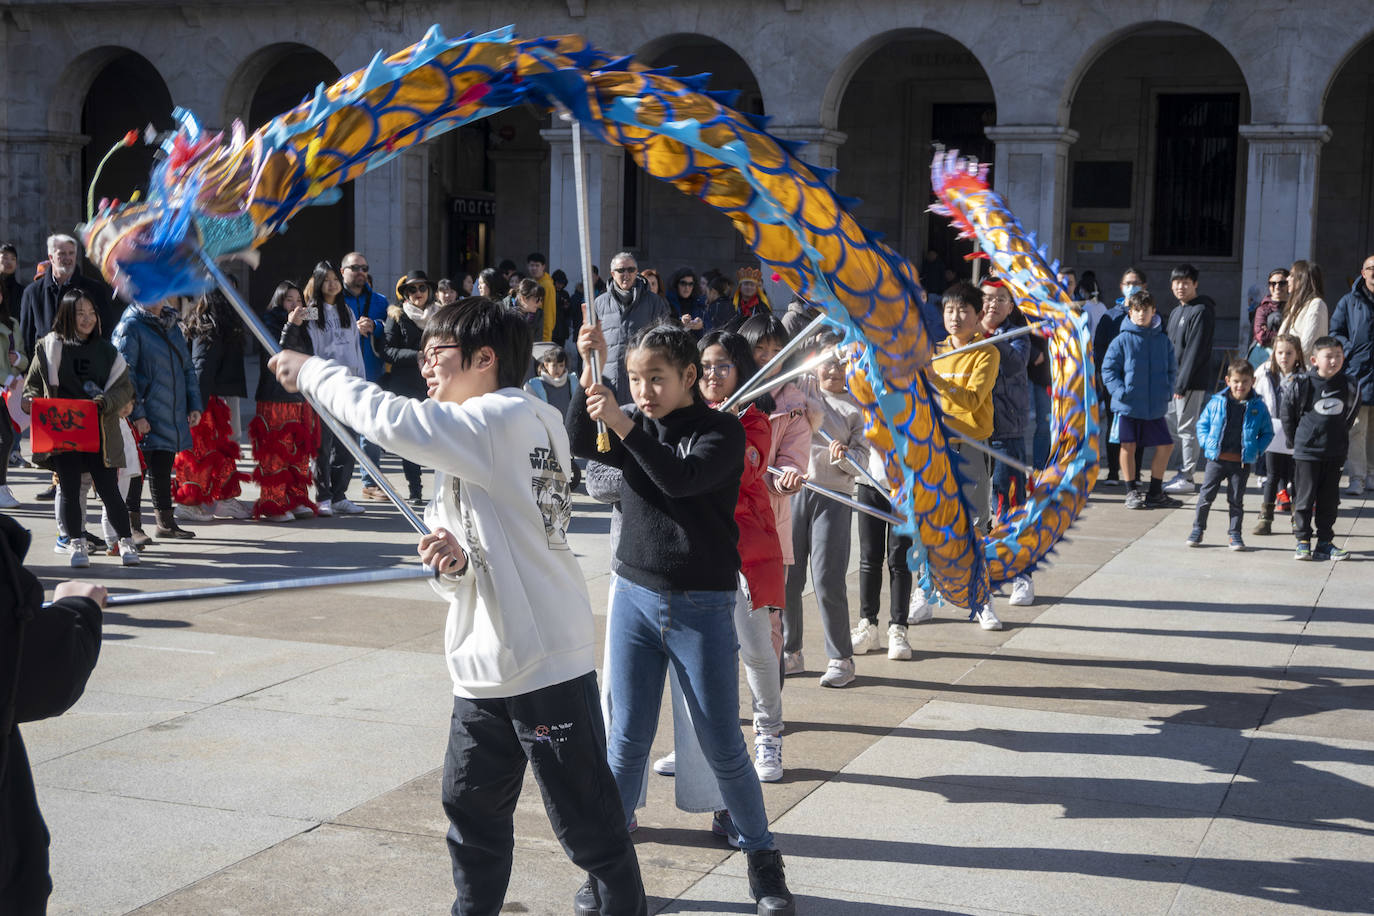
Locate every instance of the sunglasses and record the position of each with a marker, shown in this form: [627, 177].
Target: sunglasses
[361, 268]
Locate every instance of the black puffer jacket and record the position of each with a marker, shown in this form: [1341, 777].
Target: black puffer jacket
[52, 651]
[402, 354]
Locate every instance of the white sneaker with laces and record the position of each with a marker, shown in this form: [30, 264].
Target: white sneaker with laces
[348, 507]
[768, 757]
[303, 512]
[919, 609]
[898, 649]
[666, 765]
[80, 559]
[324, 508]
[233, 508]
[7, 497]
[128, 553]
[284, 517]
[864, 637]
[1180, 484]
[193, 514]
[838, 673]
[987, 618]
[792, 663]
[1022, 592]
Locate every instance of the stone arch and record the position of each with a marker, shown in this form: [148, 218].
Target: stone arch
[74, 84]
[697, 52]
[1345, 188]
[894, 95]
[248, 77]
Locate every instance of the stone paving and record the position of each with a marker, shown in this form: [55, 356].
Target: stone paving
[1166, 730]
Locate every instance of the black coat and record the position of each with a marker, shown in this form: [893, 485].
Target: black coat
[269, 389]
[58, 647]
[1317, 415]
[38, 308]
[218, 360]
[402, 355]
[1192, 326]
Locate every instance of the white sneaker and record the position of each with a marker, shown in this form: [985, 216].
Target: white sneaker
[284, 517]
[768, 757]
[898, 649]
[792, 663]
[920, 609]
[80, 559]
[7, 497]
[1180, 484]
[324, 508]
[193, 514]
[864, 637]
[303, 512]
[348, 507]
[839, 673]
[1022, 592]
[128, 553]
[987, 618]
[667, 765]
[232, 508]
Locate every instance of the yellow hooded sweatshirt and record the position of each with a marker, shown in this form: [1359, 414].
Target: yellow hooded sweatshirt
[965, 384]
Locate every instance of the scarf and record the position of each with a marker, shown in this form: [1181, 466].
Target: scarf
[555, 382]
[627, 298]
[419, 316]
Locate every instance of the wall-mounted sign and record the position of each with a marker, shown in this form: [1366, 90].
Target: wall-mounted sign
[483, 208]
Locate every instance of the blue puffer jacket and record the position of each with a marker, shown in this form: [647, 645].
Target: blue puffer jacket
[164, 379]
[1138, 370]
[1255, 435]
[1353, 325]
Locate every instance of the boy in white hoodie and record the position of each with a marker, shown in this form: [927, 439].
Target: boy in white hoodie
[519, 635]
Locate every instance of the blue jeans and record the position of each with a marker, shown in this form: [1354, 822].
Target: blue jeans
[694, 631]
[374, 452]
[1038, 439]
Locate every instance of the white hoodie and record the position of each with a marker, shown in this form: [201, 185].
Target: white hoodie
[519, 619]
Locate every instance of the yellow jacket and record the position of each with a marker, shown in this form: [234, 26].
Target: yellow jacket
[550, 305]
[965, 384]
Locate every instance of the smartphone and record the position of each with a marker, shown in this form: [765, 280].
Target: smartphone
[312, 313]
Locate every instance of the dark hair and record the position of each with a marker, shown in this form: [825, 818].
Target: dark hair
[212, 317]
[8, 248]
[723, 286]
[279, 294]
[1293, 341]
[964, 293]
[537, 258]
[1321, 343]
[497, 287]
[1137, 271]
[506, 266]
[764, 327]
[554, 355]
[1240, 367]
[741, 353]
[530, 289]
[1140, 299]
[559, 277]
[445, 283]
[314, 294]
[1183, 272]
[476, 322]
[674, 343]
[1278, 270]
[64, 323]
[1070, 271]
[1087, 284]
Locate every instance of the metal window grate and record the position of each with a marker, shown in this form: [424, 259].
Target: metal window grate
[1197, 142]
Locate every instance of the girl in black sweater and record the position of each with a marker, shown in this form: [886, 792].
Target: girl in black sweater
[676, 572]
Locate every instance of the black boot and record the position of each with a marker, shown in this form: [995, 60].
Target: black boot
[1265, 524]
[167, 526]
[768, 883]
[588, 901]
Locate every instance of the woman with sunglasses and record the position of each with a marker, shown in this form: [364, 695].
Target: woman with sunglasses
[406, 322]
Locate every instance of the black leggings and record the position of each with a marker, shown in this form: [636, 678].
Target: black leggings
[1280, 474]
[876, 542]
[6, 443]
[70, 466]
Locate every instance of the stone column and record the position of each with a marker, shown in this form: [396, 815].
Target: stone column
[391, 217]
[605, 190]
[40, 189]
[1280, 198]
[1030, 171]
[822, 144]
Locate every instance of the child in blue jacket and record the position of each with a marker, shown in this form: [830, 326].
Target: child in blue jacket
[1138, 371]
[1234, 429]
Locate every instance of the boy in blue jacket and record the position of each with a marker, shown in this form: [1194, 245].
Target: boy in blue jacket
[1138, 372]
[1234, 429]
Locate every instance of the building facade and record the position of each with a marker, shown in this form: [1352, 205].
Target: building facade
[1234, 135]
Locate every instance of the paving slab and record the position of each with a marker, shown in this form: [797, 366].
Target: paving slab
[253, 760]
[112, 853]
[98, 717]
[1261, 868]
[1306, 780]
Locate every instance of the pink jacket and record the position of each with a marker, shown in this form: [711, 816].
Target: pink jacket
[791, 448]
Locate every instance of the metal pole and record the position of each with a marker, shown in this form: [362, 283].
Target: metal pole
[992, 340]
[759, 390]
[584, 234]
[1005, 459]
[248, 588]
[842, 499]
[341, 433]
[880, 487]
[776, 362]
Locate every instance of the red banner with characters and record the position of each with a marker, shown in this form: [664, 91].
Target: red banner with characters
[65, 425]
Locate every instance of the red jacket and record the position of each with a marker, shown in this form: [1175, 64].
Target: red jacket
[759, 550]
